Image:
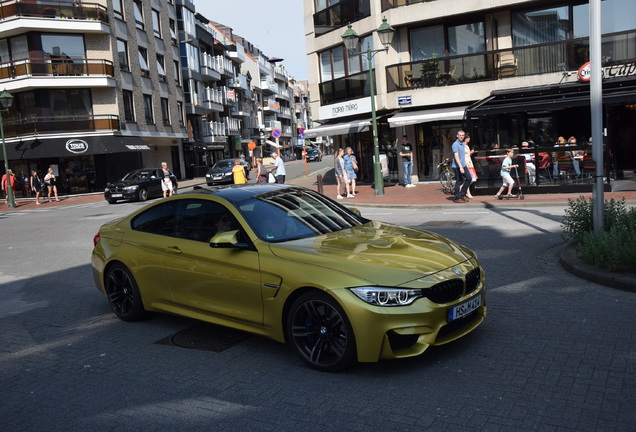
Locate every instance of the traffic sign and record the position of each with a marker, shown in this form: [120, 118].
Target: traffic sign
[251, 145]
[276, 133]
[301, 131]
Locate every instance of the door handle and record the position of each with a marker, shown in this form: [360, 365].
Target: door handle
[173, 249]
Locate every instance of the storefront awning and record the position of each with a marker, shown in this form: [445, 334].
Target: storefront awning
[60, 147]
[338, 128]
[551, 97]
[423, 116]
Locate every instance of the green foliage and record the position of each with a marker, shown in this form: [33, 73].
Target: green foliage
[613, 248]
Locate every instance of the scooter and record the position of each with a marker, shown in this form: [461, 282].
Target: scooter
[518, 195]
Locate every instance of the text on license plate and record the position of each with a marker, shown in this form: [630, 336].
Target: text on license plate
[116, 195]
[463, 309]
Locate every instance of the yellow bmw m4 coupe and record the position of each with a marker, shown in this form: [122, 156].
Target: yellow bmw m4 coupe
[290, 264]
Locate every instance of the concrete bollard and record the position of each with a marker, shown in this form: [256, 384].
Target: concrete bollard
[319, 182]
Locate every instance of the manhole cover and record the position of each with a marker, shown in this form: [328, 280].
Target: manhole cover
[442, 223]
[205, 337]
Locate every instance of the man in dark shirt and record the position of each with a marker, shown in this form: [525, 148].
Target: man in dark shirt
[406, 152]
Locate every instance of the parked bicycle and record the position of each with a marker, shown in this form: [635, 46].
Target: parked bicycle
[446, 177]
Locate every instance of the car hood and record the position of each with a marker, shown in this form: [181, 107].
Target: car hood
[219, 170]
[379, 253]
[124, 183]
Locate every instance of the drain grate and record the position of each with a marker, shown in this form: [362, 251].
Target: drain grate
[207, 337]
[442, 223]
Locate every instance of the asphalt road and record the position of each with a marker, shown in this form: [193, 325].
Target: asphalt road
[556, 353]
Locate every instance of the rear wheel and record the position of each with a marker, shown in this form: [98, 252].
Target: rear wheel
[320, 332]
[123, 294]
[142, 194]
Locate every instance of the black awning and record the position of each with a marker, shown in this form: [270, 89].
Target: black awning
[552, 97]
[59, 147]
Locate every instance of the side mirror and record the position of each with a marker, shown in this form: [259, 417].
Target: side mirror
[227, 239]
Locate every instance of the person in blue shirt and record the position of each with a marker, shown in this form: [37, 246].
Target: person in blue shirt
[462, 175]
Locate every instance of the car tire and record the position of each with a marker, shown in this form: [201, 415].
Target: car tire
[123, 294]
[142, 194]
[111, 201]
[320, 332]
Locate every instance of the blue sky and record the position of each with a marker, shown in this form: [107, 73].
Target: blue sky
[275, 27]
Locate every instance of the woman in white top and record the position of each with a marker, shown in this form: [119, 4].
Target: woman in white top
[469, 164]
[50, 182]
[341, 174]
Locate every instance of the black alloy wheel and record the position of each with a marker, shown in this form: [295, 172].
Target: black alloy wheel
[142, 194]
[123, 294]
[320, 332]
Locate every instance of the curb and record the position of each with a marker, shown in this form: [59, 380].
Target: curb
[571, 262]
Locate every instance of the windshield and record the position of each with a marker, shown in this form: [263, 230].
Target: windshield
[136, 175]
[294, 213]
[225, 163]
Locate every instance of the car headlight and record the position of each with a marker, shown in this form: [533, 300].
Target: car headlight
[131, 188]
[384, 296]
[227, 174]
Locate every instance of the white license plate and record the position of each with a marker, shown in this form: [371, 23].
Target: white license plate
[463, 309]
[217, 177]
[116, 195]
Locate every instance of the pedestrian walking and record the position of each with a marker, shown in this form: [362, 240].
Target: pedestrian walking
[469, 164]
[51, 184]
[279, 168]
[506, 166]
[261, 172]
[5, 185]
[341, 174]
[351, 166]
[406, 153]
[36, 185]
[462, 175]
[166, 184]
[238, 172]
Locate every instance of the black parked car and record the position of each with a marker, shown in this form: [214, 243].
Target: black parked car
[138, 185]
[313, 154]
[221, 172]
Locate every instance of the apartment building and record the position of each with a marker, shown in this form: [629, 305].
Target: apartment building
[506, 71]
[95, 92]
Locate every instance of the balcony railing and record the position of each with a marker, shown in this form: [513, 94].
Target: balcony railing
[52, 9]
[52, 67]
[58, 124]
[389, 4]
[501, 64]
[345, 11]
[347, 88]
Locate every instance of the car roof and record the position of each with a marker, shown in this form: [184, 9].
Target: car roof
[238, 193]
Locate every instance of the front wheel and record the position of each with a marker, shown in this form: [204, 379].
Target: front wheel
[446, 179]
[123, 293]
[142, 194]
[320, 332]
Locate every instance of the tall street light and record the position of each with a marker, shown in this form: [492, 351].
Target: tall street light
[6, 100]
[351, 38]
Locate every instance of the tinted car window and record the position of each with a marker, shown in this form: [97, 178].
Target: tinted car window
[159, 219]
[200, 220]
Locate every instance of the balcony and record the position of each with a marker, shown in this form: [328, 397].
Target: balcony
[269, 86]
[241, 109]
[66, 16]
[272, 124]
[389, 4]
[29, 73]
[334, 17]
[270, 105]
[238, 82]
[504, 64]
[60, 124]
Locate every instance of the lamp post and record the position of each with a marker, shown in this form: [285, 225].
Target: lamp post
[6, 100]
[351, 38]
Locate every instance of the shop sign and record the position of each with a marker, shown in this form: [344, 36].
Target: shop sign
[613, 71]
[76, 146]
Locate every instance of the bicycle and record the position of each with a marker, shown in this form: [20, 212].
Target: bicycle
[446, 177]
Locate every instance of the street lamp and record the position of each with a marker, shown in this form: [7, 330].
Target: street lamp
[6, 100]
[351, 38]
